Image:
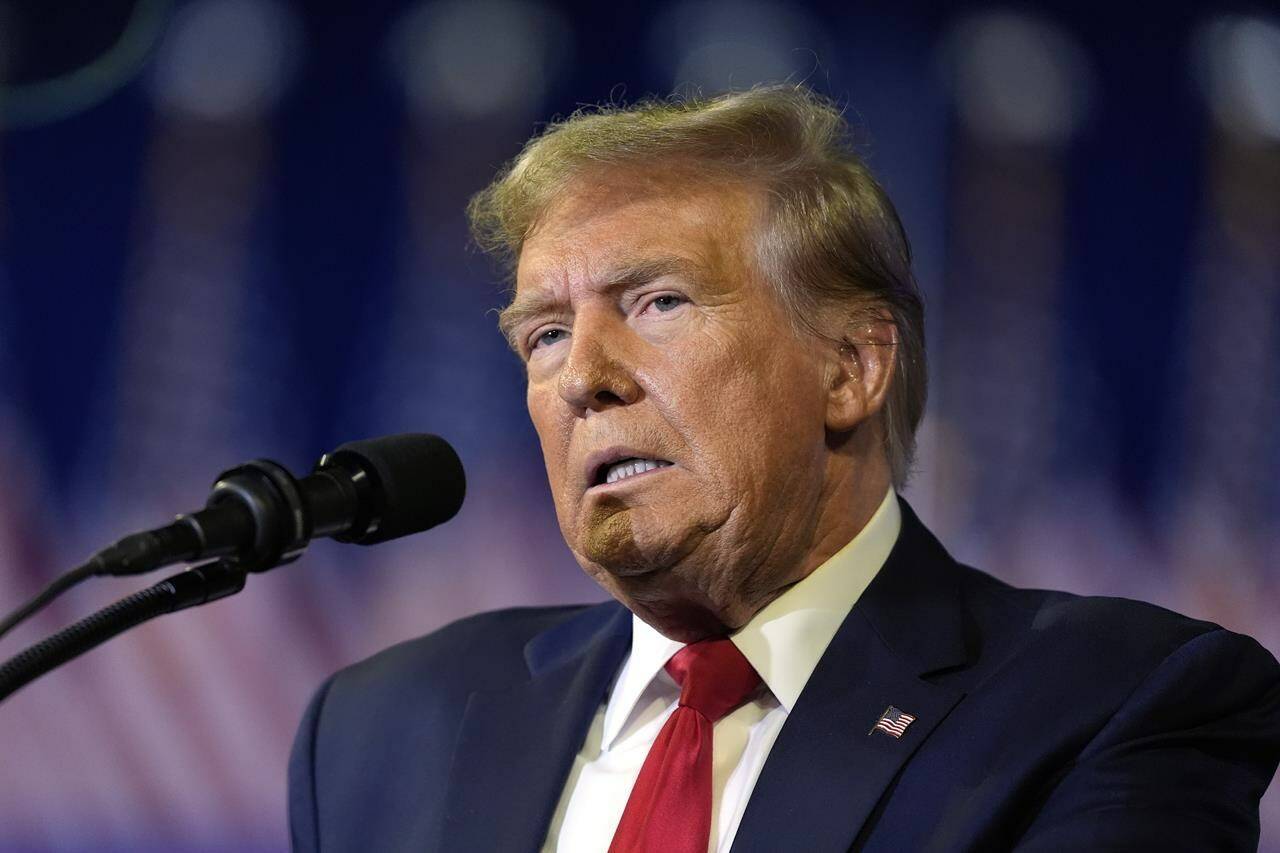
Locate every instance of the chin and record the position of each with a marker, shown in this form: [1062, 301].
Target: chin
[626, 546]
[666, 597]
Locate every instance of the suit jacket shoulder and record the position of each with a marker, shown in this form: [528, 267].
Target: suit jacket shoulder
[373, 753]
[485, 651]
[1119, 634]
[981, 625]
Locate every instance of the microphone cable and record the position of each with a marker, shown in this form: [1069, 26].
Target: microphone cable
[46, 596]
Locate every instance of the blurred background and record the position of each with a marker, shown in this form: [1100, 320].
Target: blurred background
[233, 228]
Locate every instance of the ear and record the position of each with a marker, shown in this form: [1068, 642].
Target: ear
[862, 370]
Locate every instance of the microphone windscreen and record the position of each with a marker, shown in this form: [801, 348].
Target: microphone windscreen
[420, 480]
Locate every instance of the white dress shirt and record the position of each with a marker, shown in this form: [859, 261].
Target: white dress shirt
[784, 642]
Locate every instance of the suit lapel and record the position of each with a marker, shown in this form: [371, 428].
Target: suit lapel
[516, 746]
[829, 767]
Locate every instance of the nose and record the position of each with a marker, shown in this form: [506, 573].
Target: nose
[597, 374]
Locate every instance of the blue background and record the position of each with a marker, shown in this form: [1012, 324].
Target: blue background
[234, 228]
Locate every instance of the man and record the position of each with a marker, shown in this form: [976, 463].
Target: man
[724, 349]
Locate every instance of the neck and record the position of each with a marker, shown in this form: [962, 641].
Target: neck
[682, 606]
[846, 522]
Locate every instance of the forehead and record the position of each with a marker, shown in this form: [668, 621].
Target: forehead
[602, 222]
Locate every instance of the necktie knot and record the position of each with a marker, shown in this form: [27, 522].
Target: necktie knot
[714, 677]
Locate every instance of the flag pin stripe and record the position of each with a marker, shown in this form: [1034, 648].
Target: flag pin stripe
[893, 722]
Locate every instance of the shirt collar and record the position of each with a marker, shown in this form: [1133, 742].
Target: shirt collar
[785, 640]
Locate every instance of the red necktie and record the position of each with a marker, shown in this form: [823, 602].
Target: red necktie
[669, 810]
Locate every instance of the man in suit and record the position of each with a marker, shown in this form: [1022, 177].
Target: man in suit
[724, 349]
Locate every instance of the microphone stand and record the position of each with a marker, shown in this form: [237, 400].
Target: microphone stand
[198, 585]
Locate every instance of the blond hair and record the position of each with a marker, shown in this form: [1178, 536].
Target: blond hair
[832, 243]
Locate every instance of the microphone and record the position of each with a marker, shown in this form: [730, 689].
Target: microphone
[260, 516]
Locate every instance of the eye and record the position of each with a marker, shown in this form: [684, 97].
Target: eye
[548, 337]
[667, 302]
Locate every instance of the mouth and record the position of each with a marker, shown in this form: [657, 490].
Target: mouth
[619, 465]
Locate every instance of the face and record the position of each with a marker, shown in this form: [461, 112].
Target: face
[683, 422]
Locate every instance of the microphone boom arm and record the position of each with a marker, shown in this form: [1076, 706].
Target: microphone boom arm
[191, 588]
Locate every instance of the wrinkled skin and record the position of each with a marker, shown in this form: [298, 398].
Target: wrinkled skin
[646, 327]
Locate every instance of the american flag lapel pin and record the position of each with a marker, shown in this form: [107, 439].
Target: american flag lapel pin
[893, 722]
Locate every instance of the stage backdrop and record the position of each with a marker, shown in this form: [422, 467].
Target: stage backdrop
[233, 228]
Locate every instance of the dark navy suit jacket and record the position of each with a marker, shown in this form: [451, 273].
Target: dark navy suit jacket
[1044, 721]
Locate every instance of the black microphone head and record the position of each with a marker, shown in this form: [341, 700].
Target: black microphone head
[415, 481]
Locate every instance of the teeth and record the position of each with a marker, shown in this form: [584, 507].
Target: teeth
[631, 467]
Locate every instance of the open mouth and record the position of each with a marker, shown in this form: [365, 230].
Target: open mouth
[623, 469]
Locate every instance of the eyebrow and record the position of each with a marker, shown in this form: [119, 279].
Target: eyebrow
[620, 278]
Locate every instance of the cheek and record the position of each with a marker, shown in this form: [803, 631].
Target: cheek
[765, 420]
[552, 431]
